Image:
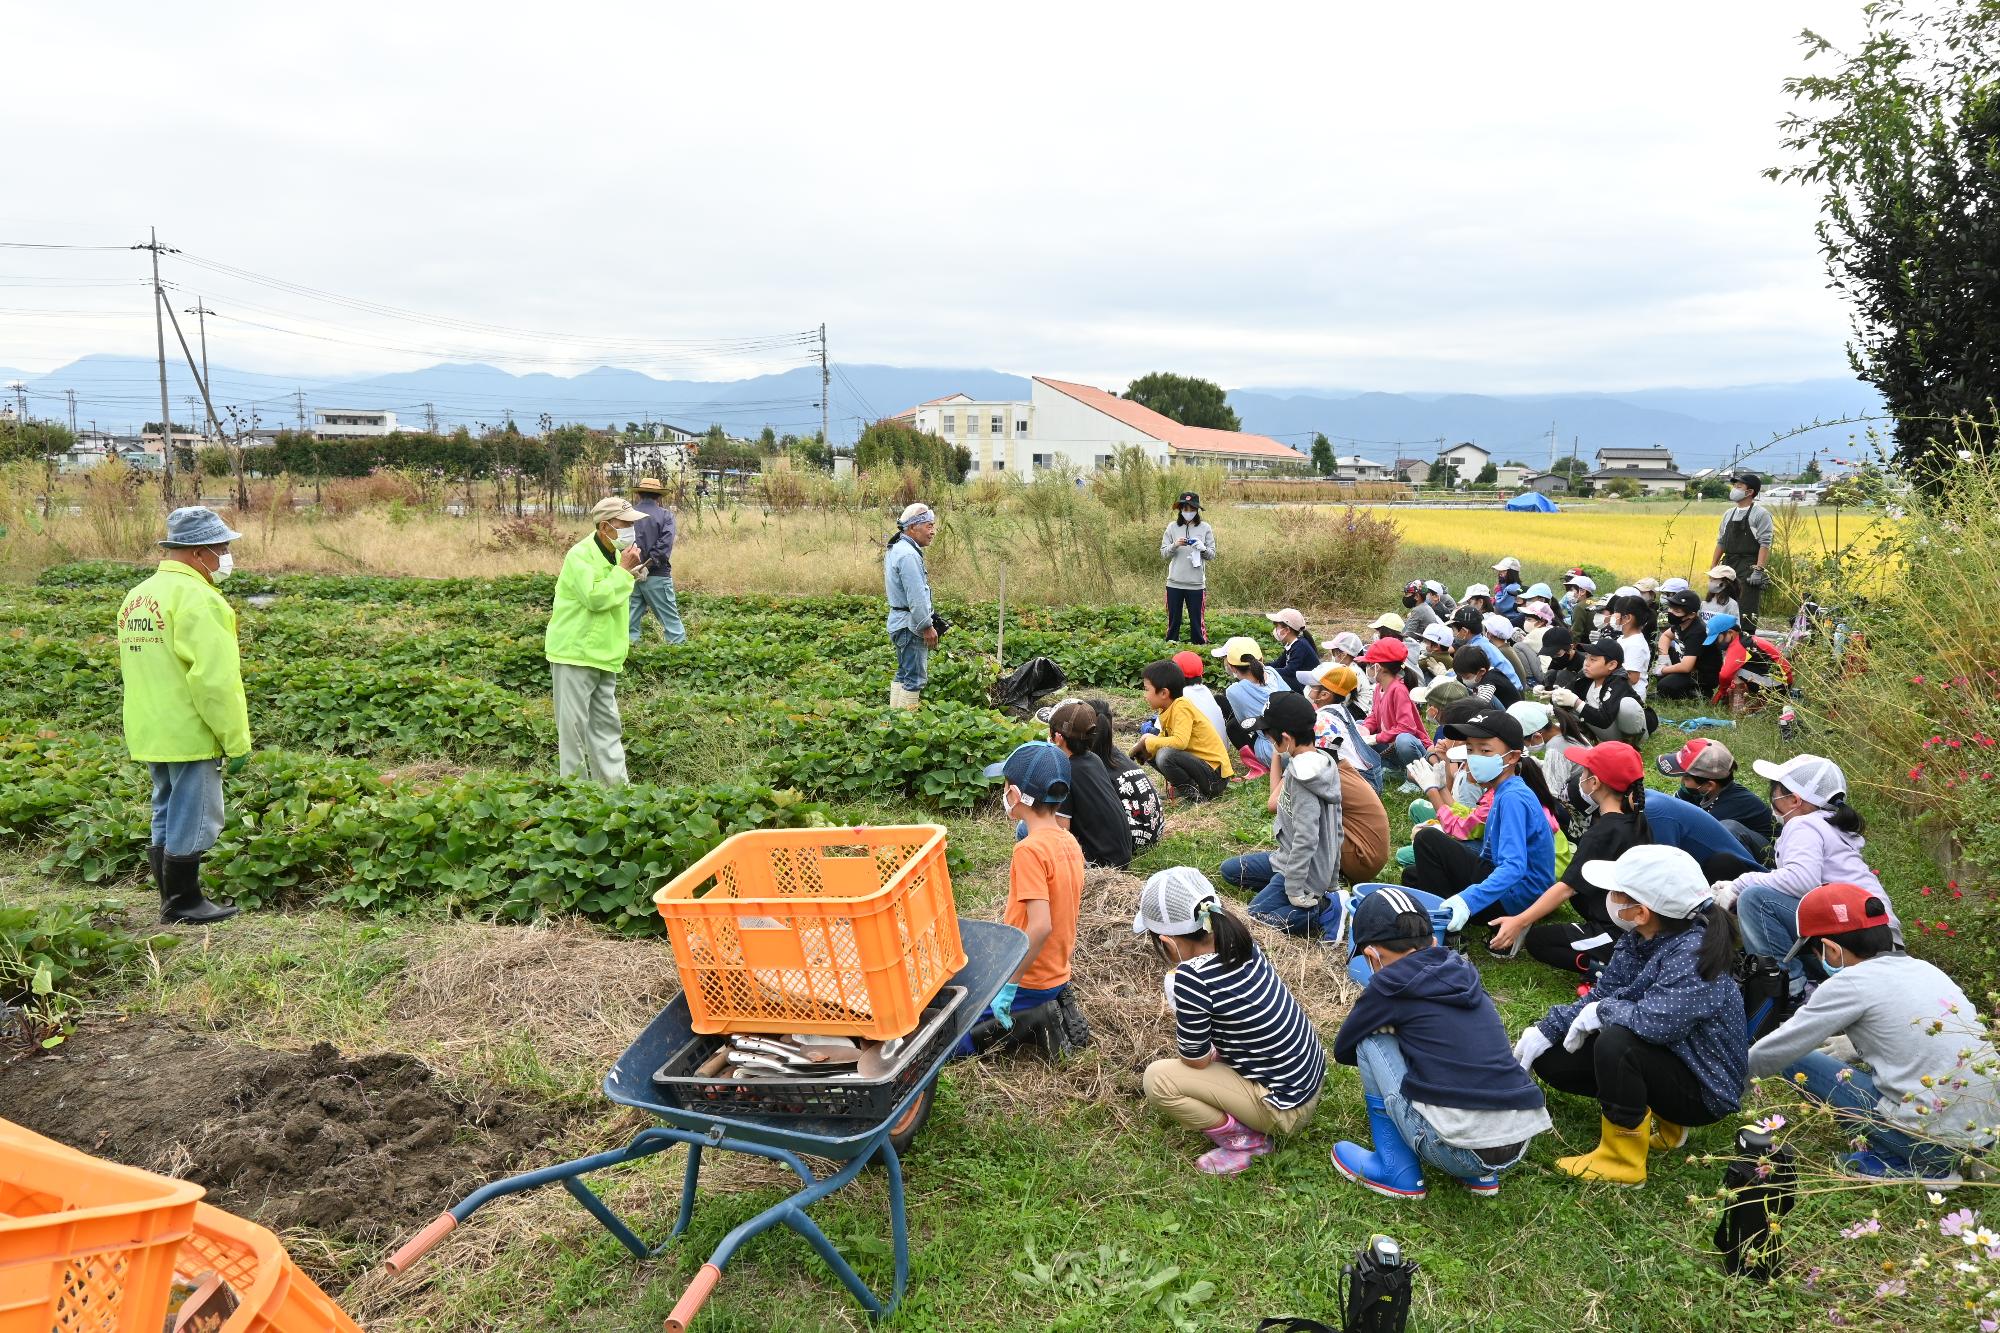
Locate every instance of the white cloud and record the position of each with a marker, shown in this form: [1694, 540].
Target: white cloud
[1454, 196]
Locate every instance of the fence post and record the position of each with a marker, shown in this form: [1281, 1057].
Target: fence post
[1000, 643]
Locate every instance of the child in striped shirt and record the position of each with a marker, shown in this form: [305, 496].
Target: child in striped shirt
[1249, 1063]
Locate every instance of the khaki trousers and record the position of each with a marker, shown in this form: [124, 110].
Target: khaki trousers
[1198, 1097]
[588, 732]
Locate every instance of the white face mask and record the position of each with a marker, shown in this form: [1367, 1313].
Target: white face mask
[1618, 917]
[1737, 493]
[625, 537]
[224, 564]
[1189, 515]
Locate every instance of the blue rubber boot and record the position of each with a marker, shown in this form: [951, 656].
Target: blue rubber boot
[1391, 1170]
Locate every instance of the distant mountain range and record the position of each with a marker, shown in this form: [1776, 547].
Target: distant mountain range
[1704, 427]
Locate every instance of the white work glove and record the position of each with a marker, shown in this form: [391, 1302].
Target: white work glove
[1757, 577]
[1424, 774]
[1565, 698]
[1460, 913]
[1725, 894]
[1531, 1047]
[1168, 981]
[1580, 1027]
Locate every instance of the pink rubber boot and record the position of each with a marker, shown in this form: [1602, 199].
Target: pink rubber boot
[1236, 1144]
[1252, 766]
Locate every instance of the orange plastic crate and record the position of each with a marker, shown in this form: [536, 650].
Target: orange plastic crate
[86, 1246]
[842, 932]
[274, 1296]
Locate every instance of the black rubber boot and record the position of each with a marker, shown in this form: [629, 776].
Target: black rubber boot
[181, 900]
[155, 855]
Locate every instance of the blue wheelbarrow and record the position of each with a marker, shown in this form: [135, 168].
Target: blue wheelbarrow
[786, 1127]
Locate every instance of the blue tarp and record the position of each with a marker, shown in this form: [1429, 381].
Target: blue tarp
[1533, 502]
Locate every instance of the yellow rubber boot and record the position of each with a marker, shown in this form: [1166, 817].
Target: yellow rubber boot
[1619, 1157]
[1667, 1136]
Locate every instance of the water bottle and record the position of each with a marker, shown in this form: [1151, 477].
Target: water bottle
[1788, 720]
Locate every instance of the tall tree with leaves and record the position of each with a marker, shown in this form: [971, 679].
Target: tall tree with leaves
[1324, 462]
[1183, 398]
[1902, 138]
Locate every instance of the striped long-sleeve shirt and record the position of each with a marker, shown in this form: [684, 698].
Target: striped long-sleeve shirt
[1254, 1024]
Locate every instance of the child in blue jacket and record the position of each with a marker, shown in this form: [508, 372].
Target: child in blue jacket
[1441, 1088]
[1515, 862]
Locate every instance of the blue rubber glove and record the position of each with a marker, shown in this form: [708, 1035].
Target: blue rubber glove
[1150, 727]
[1003, 1005]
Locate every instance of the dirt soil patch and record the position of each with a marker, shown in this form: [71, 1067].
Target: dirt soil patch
[362, 1149]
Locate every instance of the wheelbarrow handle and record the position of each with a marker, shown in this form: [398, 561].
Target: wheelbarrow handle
[694, 1298]
[420, 1244]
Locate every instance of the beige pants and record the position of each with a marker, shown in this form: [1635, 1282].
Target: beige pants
[1198, 1098]
[589, 735]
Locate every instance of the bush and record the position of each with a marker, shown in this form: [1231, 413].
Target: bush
[854, 752]
[1335, 560]
[47, 955]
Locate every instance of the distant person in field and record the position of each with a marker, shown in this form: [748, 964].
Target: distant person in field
[908, 586]
[654, 589]
[1743, 542]
[586, 643]
[186, 717]
[1188, 545]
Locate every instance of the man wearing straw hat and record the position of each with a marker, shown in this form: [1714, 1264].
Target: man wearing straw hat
[908, 586]
[654, 589]
[185, 714]
[586, 643]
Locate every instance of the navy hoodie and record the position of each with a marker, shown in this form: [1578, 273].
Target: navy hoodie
[1452, 1038]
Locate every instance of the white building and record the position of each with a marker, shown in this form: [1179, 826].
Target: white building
[1469, 458]
[1511, 476]
[1081, 427]
[1650, 469]
[1353, 467]
[333, 423]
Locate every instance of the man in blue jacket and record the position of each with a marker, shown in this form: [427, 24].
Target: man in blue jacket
[653, 589]
[908, 587]
[1437, 1073]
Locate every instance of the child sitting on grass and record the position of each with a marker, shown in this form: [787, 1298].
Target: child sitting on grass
[1044, 892]
[1145, 813]
[1249, 1064]
[1186, 750]
[1441, 1085]
[1295, 887]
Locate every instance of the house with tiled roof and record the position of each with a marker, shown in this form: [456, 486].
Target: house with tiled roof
[1067, 425]
[1650, 469]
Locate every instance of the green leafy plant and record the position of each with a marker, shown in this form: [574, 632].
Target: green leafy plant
[48, 955]
[854, 751]
[1094, 1287]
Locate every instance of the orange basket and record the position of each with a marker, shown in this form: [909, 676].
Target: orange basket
[273, 1296]
[86, 1244]
[841, 932]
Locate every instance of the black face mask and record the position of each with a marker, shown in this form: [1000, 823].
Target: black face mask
[1410, 602]
[1573, 793]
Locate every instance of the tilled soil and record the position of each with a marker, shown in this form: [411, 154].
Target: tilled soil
[362, 1149]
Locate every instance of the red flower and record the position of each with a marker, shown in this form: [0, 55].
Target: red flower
[1958, 893]
[1917, 773]
[1955, 744]
[1951, 884]
[1916, 680]
[1925, 890]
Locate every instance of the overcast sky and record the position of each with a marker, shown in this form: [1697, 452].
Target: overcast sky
[1494, 198]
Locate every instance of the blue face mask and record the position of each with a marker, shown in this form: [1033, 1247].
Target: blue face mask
[1467, 791]
[1831, 968]
[1485, 768]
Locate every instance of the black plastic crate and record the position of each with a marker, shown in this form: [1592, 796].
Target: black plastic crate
[821, 1096]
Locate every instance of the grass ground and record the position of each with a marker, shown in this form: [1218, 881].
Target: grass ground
[1038, 1198]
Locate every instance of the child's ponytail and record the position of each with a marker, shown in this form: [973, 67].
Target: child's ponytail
[1233, 944]
[1845, 817]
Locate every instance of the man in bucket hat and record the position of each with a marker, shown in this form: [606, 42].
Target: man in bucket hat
[586, 645]
[653, 586]
[185, 714]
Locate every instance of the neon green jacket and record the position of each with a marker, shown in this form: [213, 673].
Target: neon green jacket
[589, 627]
[183, 679]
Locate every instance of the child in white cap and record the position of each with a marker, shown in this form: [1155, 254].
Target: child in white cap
[1249, 1064]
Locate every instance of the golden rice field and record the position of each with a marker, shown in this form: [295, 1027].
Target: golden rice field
[1632, 541]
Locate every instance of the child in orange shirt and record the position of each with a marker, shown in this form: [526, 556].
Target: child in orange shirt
[1044, 891]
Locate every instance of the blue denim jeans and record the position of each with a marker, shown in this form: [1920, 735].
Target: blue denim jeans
[1770, 922]
[187, 806]
[913, 658]
[1398, 753]
[1269, 904]
[1854, 1099]
[1383, 1070]
[1025, 998]
[656, 594]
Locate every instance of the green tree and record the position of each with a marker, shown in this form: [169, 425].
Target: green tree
[767, 440]
[1902, 139]
[892, 444]
[1488, 475]
[1183, 398]
[33, 440]
[1811, 471]
[1573, 468]
[1444, 474]
[1322, 455]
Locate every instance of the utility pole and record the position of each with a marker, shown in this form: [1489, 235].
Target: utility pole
[71, 395]
[160, 338]
[200, 382]
[299, 408]
[201, 313]
[430, 419]
[1552, 446]
[825, 391]
[20, 402]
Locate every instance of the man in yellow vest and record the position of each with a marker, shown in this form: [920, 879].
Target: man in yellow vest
[586, 643]
[185, 714]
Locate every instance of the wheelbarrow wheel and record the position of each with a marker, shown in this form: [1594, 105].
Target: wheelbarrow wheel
[905, 1130]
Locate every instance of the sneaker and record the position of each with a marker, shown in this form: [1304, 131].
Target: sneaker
[1871, 1165]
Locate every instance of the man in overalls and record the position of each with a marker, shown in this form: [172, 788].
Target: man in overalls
[1744, 541]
